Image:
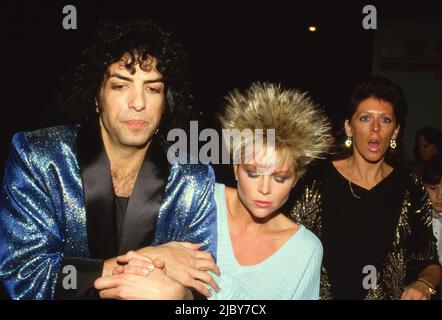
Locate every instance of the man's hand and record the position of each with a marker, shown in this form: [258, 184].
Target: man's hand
[156, 286]
[416, 291]
[186, 264]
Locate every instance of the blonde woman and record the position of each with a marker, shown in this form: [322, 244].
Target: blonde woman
[261, 253]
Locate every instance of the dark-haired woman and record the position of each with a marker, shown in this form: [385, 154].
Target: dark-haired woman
[373, 218]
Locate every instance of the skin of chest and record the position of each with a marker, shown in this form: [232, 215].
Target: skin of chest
[253, 249]
[123, 182]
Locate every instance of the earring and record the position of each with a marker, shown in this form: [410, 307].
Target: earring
[348, 142]
[156, 131]
[236, 178]
[393, 144]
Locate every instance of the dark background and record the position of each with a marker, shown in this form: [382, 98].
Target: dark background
[231, 44]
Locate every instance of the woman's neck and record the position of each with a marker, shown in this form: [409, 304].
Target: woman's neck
[365, 173]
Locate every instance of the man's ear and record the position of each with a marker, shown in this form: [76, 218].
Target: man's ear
[347, 127]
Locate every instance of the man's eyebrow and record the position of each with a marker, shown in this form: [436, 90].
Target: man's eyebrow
[154, 80]
[120, 76]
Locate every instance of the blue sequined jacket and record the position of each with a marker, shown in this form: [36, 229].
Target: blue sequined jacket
[57, 204]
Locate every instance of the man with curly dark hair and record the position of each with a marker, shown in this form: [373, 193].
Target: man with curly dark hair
[96, 198]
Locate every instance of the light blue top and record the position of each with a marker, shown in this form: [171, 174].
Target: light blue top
[291, 273]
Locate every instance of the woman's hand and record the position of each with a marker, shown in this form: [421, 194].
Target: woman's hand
[186, 264]
[416, 291]
[157, 286]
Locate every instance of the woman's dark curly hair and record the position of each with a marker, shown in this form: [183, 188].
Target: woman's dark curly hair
[140, 40]
[383, 89]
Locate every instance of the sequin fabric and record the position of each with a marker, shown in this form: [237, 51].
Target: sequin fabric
[188, 211]
[415, 218]
[43, 217]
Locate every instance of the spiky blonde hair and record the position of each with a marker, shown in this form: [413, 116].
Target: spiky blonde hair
[302, 131]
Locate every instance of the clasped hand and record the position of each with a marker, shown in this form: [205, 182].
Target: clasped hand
[163, 272]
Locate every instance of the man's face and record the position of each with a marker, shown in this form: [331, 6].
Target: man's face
[131, 105]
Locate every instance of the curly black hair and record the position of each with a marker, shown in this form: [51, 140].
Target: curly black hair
[140, 40]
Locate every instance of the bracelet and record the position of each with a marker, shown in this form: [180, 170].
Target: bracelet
[430, 287]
